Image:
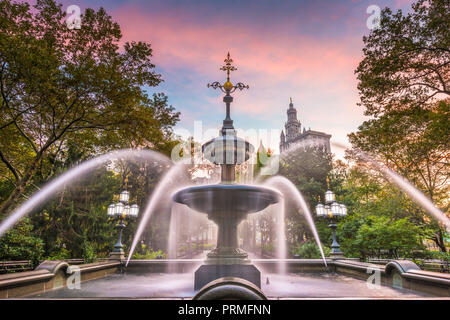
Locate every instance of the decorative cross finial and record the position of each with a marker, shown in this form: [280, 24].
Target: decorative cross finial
[228, 67]
[228, 87]
[290, 99]
[328, 183]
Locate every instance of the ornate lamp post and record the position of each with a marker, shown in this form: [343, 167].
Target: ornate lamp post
[121, 211]
[332, 210]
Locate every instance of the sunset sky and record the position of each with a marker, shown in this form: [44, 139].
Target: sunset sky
[307, 50]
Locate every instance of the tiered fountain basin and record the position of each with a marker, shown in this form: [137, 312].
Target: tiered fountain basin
[227, 205]
[218, 200]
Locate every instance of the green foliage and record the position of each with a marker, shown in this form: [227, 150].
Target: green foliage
[404, 86]
[19, 243]
[88, 250]
[378, 236]
[149, 254]
[59, 254]
[93, 90]
[76, 219]
[309, 250]
[438, 255]
[406, 59]
[307, 168]
[413, 142]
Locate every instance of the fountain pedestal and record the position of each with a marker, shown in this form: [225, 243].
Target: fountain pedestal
[227, 205]
[117, 255]
[210, 272]
[227, 259]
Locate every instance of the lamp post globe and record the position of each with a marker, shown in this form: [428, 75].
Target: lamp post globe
[332, 210]
[121, 211]
[320, 210]
[134, 210]
[124, 196]
[110, 210]
[329, 197]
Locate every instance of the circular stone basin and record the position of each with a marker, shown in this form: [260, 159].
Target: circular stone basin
[227, 198]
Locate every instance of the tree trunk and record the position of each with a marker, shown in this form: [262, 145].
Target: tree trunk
[439, 240]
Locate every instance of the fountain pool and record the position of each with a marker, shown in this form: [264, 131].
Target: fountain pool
[181, 286]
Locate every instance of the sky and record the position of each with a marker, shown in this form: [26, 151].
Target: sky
[304, 49]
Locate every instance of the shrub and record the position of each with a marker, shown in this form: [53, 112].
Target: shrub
[19, 243]
[309, 250]
[149, 254]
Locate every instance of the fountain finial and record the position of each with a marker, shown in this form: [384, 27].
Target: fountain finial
[228, 67]
[228, 87]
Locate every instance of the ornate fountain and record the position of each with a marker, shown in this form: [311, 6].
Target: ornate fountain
[227, 203]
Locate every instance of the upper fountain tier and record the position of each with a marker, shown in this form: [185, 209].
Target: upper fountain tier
[227, 200]
[227, 150]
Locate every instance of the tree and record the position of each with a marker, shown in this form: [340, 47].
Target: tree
[404, 84]
[21, 243]
[76, 222]
[307, 168]
[59, 84]
[381, 220]
[415, 143]
[406, 61]
[377, 235]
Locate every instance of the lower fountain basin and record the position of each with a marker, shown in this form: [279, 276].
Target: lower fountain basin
[227, 198]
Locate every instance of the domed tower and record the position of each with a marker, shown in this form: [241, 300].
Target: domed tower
[292, 125]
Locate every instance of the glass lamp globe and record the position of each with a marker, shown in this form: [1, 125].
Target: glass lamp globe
[335, 209]
[329, 197]
[134, 210]
[341, 210]
[344, 210]
[124, 196]
[119, 208]
[126, 210]
[320, 210]
[110, 211]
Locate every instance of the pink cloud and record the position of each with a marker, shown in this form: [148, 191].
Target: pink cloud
[265, 58]
[317, 73]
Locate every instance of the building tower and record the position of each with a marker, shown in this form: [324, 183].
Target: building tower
[292, 125]
[295, 137]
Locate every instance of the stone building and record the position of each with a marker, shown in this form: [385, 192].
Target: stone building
[296, 137]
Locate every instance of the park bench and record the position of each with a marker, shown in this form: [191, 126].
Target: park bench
[13, 266]
[435, 265]
[74, 261]
[378, 261]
